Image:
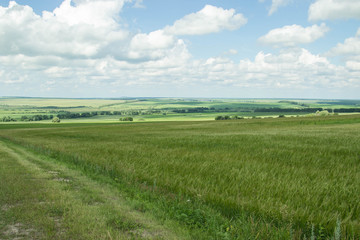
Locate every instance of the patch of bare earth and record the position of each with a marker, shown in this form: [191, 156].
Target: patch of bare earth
[18, 231]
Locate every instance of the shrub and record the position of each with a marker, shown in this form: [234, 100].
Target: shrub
[126, 119]
[228, 117]
[56, 120]
[322, 113]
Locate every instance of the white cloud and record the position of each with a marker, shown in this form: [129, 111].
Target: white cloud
[57, 54]
[84, 30]
[350, 47]
[210, 19]
[334, 9]
[97, 13]
[294, 34]
[155, 45]
[350, 51]
[290, 69]
[293, 68]
[276, 4]
[154, 40]
[92, 29]
[353, 65]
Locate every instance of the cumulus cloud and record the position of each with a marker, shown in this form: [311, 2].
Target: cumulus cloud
[295, 67]
[92, 29]
[334, 9]
[294, 34]
[353, 65]
[291, 68]
[97, 13]
[154, 40]
[155, 45]
[350, 51]
[83, 30]
[350, 47]
[210, 19]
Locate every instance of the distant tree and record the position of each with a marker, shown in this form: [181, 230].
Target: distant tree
[24, 118]
[56, 120]
[281, 116]
[8, 119]
[219, 118]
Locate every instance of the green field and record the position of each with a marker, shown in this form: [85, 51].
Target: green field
[161, 109]
[278, 178]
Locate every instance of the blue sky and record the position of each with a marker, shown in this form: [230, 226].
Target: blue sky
[228, 48]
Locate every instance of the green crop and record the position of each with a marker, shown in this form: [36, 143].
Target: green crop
[302, 174]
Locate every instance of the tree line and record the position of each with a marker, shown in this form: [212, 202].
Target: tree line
[307, 110]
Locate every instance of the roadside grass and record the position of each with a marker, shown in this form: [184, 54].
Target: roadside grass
[278, 178]
[42, 199]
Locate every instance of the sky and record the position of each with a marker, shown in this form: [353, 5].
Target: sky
[187, 48]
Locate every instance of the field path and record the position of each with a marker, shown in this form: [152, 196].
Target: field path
[44, 199]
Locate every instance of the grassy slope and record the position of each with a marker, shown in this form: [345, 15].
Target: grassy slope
[282, 171]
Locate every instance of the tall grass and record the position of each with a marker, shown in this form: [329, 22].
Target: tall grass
[297, 172]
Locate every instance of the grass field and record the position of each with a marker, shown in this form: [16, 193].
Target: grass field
[290, 178]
